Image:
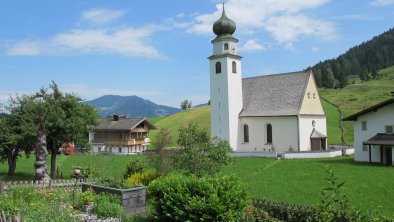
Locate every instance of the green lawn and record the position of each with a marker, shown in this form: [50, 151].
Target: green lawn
[295, 181]
[110, 166]
[300, 181]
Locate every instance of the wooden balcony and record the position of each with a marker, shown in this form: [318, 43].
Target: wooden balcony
[118, 142]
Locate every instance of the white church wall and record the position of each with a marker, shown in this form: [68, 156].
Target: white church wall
[219, 101]
[284, 134]
[306, 127]
[376, 122]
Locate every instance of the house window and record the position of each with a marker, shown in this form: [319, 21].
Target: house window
[99, 149]
[269, 133]
[365, 147]
[364, 126]
[225, 46]
[234, 67]
[218, 67]
[389, 129]
[246, 133]
[120, 149]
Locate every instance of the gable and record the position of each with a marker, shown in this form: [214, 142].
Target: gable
[311, 103]
[274, 95]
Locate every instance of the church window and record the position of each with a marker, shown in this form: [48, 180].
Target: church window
[234, 67]
[225, 46]
[218, 67]
[314, 95]
[269, 133]
[309, 95]
[364, 126]
[246, 133]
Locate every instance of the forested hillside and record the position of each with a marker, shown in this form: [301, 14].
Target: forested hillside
[363, 60]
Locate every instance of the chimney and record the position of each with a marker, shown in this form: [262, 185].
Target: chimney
[116, 117]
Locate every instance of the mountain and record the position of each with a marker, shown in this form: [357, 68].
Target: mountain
[130, 106]
[363, 60]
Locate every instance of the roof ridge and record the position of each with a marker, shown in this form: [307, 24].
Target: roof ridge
[277, 74]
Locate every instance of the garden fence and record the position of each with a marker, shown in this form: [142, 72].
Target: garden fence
[62, 184]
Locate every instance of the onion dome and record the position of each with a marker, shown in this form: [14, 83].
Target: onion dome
[224, 26]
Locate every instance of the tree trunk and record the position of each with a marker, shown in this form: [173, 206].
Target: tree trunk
[41, 172]
[11, 165]
[53, 164]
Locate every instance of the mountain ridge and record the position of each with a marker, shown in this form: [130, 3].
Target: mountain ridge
[130, 106]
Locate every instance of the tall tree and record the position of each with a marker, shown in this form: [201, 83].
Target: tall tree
[16, 136]
[59, 118]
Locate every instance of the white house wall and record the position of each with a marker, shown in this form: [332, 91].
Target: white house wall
[284, 134]
[376, 122]
[306, 127]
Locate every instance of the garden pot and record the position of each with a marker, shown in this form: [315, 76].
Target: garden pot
[133, 200]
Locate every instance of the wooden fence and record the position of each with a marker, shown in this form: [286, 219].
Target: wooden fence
[62, 183]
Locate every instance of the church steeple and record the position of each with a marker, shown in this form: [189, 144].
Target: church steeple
[226, 82]
[224, 26]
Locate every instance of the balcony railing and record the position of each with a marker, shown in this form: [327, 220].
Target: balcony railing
[120, 142]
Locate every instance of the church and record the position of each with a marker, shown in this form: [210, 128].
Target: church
[271, 113]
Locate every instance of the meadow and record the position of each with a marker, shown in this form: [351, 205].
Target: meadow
[369, 187]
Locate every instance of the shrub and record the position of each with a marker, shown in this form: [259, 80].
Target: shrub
[107, 205]
[188, 198]
[141, 179]
[163, 138]
[134, 166]
[199, 154]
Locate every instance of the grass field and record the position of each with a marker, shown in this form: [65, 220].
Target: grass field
[356, 97]
[300, 181]
[296, 181]
[200, 115]
[333, 131]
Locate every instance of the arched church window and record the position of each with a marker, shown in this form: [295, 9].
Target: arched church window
[218, 67]
[225, 46]
[234, 67]
[269, 133]
[246, 133]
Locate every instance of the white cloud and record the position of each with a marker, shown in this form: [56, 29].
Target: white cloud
[315, 49]
[289, 28]
[101, 16]
[382, 2]
[271, 15]
[252, 45]
[125, 41]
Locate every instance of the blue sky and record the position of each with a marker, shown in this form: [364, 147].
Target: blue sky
[158, 49]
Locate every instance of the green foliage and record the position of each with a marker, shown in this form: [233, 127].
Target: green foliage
[62, 116]
[163, 138]
[199, 155]
[134, 166]
[334, 204]
[188, 198]
[360, 60]
[35, 205]
[141, 178]
[186, 104]
[107, 205]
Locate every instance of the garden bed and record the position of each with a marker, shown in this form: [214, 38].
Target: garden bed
[133, 200]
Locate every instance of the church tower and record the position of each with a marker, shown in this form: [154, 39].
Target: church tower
[225, 82]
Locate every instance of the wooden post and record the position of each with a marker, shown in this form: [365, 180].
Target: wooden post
[381, 154]
[369, 149]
